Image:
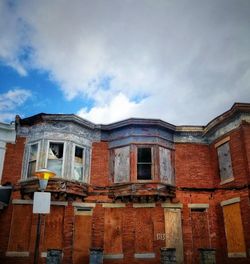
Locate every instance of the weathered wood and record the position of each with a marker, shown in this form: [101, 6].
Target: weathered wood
[166, 168]
[225, 163]
[82, 239]
[234, 229]
[122, 164]
[173, 230]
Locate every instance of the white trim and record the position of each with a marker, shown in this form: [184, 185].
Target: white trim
[230, 201]
[237, 255]
[17, 254]
[172, 205]
[227, 180]
[113, 205]
[198, 206]
[113, 256]
[144, 255]
[20, 201]
[84, 205]
[143, 205]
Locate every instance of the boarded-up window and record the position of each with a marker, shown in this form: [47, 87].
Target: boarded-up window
[122, 164]
[113, 231]
[166, 168]
[173, 230]
[144, 234]
[82, 235]
[33, 154]
[234, 230]
[53, 233]
[20, 228]
[199, 231]
[225, 163]
[55, 157]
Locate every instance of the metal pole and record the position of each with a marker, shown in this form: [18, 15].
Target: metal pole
[38, 231]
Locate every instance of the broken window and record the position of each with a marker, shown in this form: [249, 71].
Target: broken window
[55, 157]
[225, 163]
[33, 152]
[144, 163]
[78, 163]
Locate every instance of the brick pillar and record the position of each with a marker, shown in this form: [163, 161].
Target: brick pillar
[98, 227]
[68, 234]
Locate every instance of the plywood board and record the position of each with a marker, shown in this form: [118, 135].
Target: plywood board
[122, 165]
[225, 163]
[20, 228]
[166, 168]
[82, 239]
[173, 230]
[113, 231]
[144, 234]
[53, 232]
[234, 229]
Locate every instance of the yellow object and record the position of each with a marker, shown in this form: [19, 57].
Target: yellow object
[44, 174]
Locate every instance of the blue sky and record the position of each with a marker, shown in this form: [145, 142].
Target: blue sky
[183, 61]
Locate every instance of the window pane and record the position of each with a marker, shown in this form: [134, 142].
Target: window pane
[144, 171]
[144, 155]
[32, 160]
[33, 152]
[78, 164]
[55, 166]
[32, 168]
[55, 150]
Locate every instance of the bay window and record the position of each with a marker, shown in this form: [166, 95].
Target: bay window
[55, 157]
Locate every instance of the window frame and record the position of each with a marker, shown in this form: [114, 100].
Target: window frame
[83, 162]
[63, 160]
[37, 157]
[152, 163]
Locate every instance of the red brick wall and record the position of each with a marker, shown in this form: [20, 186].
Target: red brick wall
[193, 166]
[100, 164]
[13, 161]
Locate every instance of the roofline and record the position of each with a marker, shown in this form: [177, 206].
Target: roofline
[236, 108]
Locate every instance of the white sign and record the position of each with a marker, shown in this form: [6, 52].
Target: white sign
[41, 204]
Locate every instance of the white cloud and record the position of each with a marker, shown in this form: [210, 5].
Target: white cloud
[10, 101]
[186, 57]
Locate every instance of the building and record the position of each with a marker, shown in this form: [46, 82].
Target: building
[130, 188]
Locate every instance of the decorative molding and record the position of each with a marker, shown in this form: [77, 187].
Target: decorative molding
[17, 254]
[197, 206]
[230, 201]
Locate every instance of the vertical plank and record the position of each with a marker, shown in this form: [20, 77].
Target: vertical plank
[122, 164]
[53, 233]
[234, 229]
[173, 230]
[225, 163]
[82, 239]
[166, 168]
[19, 239]
[144, 233]
[113, 231]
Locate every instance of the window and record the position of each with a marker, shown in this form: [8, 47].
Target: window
[144, 163]
[33, 153]
[225, 163]
[55, 157]
[78, 163]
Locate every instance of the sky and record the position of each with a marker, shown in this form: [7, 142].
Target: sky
[182, 61]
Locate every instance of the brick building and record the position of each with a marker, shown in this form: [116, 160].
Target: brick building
[131, 188]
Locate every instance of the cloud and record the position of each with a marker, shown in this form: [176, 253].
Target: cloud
[187, 60]
[10, 101]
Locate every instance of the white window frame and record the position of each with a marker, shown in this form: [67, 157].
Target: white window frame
[64, 150]
[37, 156]
[83, 162]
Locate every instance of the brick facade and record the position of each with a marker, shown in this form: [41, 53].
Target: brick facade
[132, 228]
